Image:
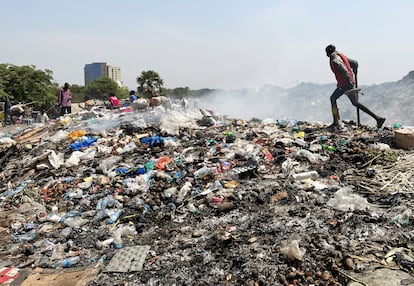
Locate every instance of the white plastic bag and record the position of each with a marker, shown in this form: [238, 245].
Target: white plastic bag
[345, 200]
[293, 251]
[56, 159]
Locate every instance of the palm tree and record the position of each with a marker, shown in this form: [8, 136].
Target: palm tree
[150, 83]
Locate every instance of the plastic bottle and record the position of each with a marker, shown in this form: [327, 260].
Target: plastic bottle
[300, 142]
[204, 171]
[11, 193]
[323, 138]
[101, 205]
[75, 222]
[123, 231]
[70, 261]
[328, 148]
[31, 235]
[110, 201]
[305, 175]
[104, 243]
[308, 155]
[72, 213]
[29, 226]
[114, 216]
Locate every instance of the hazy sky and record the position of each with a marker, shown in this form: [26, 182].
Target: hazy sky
[210, 44]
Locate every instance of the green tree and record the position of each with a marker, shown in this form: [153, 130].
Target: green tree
[122, 92]
[101, 88]
[78, 93]
[28, 84]
[179, 92]
[150, 83]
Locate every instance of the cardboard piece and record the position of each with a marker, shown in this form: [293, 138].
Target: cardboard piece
[61, 277]
[404, 138]
[128, 259]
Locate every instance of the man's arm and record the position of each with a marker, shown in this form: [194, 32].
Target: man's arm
[354, 65]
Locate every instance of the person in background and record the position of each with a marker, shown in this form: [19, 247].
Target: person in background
[44, 118]
[345, 70]
[132, 96]
[65, 99]
[7, 111]
[16, 113]
[113, 100]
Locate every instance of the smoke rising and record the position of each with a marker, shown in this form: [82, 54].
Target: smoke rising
[310, 102]
[272, 102]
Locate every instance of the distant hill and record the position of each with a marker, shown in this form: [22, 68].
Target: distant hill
[310, 102]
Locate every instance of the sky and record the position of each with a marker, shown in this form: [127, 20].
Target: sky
[222, 44]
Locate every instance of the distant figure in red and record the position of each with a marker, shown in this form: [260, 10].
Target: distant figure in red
[345, 70]
[113, 100]
[65, 99]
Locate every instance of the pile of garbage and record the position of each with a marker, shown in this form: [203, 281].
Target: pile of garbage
[189, 197]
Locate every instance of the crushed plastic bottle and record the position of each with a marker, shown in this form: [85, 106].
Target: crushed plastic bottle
[70, 261]
[114, 216]
[300, 142]
[23, 185]
[204, 171]
[124, 230]
[29, 236]
[313, 158]
[30, 226]
[75, 222]
[101, 244]
[102, 204]
[305, 175]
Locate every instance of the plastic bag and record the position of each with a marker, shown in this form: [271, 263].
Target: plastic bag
[77, 156]
[56, 159]
[293, 251]
[58, 136]
[345, 200]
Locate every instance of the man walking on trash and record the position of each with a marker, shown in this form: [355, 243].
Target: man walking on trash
[65, 99]
[345, 70]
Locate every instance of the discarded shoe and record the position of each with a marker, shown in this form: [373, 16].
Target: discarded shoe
[380, 122]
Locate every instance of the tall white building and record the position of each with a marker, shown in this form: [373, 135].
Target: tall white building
[114, 73]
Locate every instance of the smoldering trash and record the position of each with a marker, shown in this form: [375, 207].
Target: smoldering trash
[190, 197]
